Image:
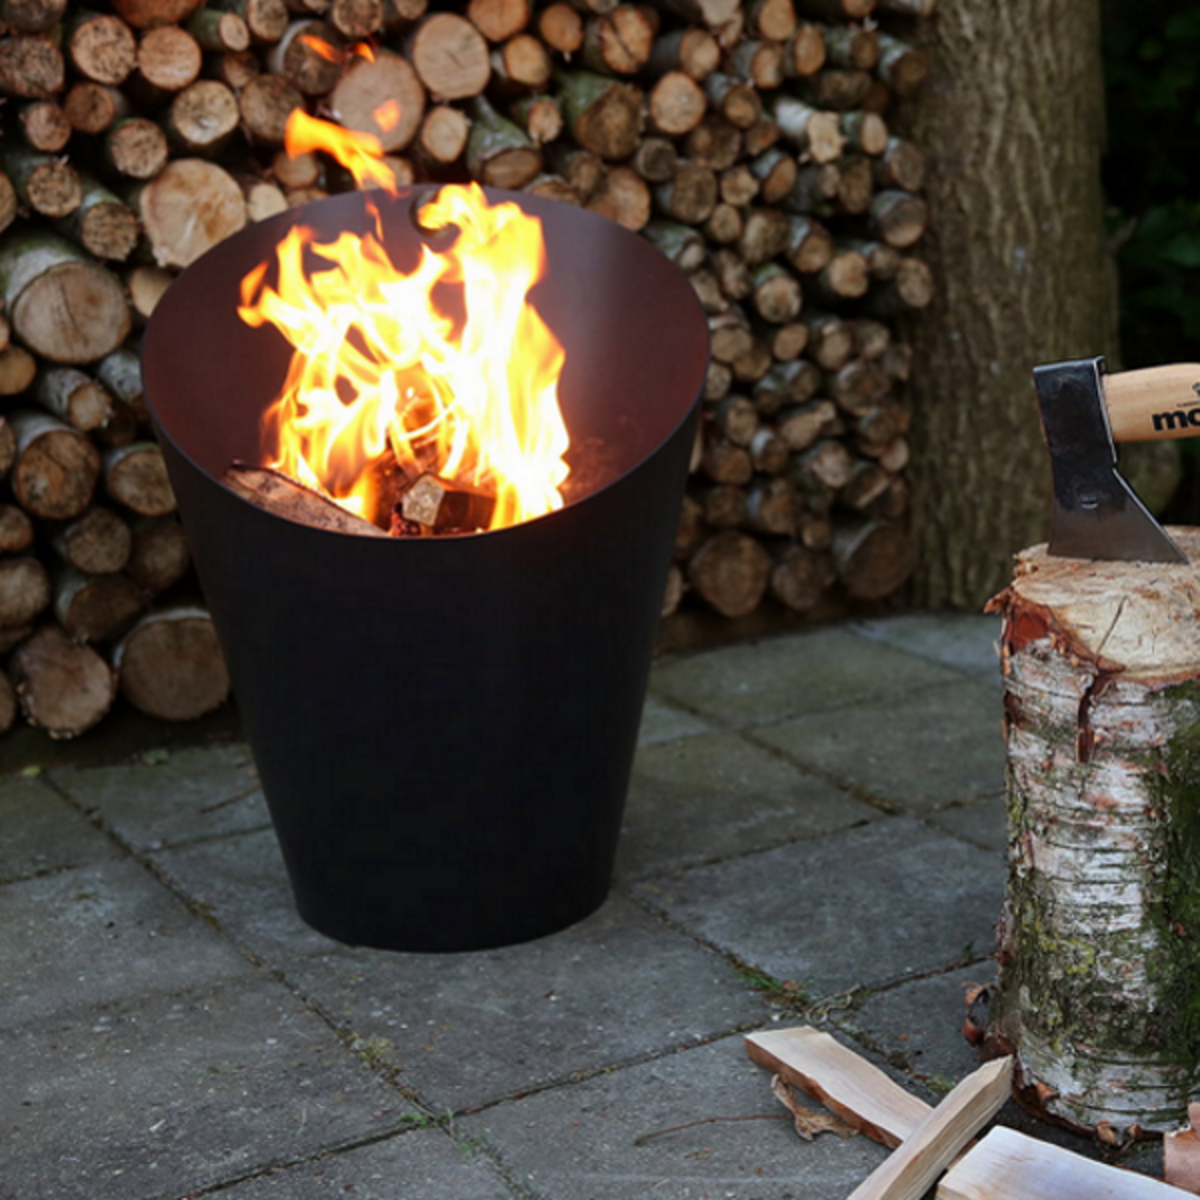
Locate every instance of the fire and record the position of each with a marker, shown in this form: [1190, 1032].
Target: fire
[378, 370]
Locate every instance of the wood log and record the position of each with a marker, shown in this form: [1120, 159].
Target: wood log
[730, 572]
[693, 51]
[146, 287]
[8, 202]
[561, 27]
[836, 89]
[9, 708]
[771, 506]
[92, 108]
[602, 114]
[1099, 661]
[809, 244]
[858, 386]
[900, 167]
[723, 462]
[158, 555]
[366, 86]
[899, 218]
[101, 48]
[135, 476]
[450, 56]
[24, 590]
[680, 243]
[357, 20]
[187, 208]
[96, 608]
[267, 20]
[724, 225]
[554, 187]
[499, 20]
[284, 497]
[31, 67]
[776, 172]
[56, 467]
[266, 102]
[830, 339]
[804, 54]
[776, 294]
[97, 543]
[837, 10]
[582, 169]
[43, 182]
[171, 664]
[689, 196]
[18, 369]
[16, 529]
[146, 14]
[499, 153]
[794, 381]
[136, 148]
[263, 198]
[31, 16]
[1181, 1154]
[873, 557]
[218, 31]
[520, 65]
[724, 506]
[902, 67]
[801, 425]
[815, 133]
[45, 126]
[713, 13]
[443, 135]
[74, 397]
[236, 68]
[769, 453]
[676, 104]
[801, 576]
[738, 102]
[787, 341]
[63, 687]
[715, 143]
[735, 419]
[618, 43]
[168, 59]
[733, 278]
[310, 55]
[674, 592]
[655, 159]
[624, 197]
[101, 223]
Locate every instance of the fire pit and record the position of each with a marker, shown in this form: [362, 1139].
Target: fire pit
[444, 726]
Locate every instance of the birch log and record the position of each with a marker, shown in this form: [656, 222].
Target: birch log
[1099, 991]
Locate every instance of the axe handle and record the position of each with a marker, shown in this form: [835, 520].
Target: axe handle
[1154, 403]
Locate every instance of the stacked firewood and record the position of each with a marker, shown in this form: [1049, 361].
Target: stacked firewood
[749, 141]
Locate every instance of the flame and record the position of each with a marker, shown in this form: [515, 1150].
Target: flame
[378, 366]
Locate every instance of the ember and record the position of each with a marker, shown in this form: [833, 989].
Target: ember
[394, 407]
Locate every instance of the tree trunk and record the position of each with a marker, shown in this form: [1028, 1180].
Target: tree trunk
[1016, 243]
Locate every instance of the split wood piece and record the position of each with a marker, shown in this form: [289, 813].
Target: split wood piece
[713, 13]
[47, 185]
[74, 397]
[730, 572]
[63, 687]
[219, 31]
[440, 505]
[845, 1083]
[97, 543]
[676, 104]
[189, 207]
[16, 530]
[136, 148]
[450, 56]
[365, 86]
[96, 608]
[267, 101]
[31, 16]
[619, 43]
[18, 369]
[31, 67]
[693, 51]
[56, 468]
[202, 118]
[102, 48]
[1100, 663]
[540, 116]
[624, 197]
[1007, 1165]
[499, 20]
[9, 708]
[499, 153]
[159, 556]
[801, 576]
[521, 65]
[170, 664]
[135, 476]
[168, 59]
[602, 114]
[25, 590]
[267, 20]
[787, 341]
[561, 27]
[101, 223]
[874, 557]
[282, 496]
[309, 55]
[930, 1148]
[1181, 1154]
[144, 14]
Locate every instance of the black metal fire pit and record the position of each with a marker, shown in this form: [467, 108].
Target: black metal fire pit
[444, 727]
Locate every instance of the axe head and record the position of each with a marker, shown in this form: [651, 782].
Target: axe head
[1096, 513]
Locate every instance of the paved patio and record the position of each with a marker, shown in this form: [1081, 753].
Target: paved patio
[814, 834]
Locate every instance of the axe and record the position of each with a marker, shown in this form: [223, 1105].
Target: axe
[1084, 414]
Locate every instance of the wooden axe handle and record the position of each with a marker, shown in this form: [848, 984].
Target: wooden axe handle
[1154, 403]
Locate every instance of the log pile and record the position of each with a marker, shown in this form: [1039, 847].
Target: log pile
[748, 141]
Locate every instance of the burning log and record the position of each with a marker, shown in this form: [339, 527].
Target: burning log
[281, 495]
[170, 664]
[440, 506]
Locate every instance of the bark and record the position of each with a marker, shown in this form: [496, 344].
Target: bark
[1016, 242]
[1099, 991]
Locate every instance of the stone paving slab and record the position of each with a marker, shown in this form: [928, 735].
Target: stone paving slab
[754, 683]
[704, 798]
[422, 1164]
[982, 822]
[40, 831]
[867, 906]
[100, 934]
[940, 746]
[178, 1093]
[464, 1030]
[664, 721]
[962, 640]
[172, 796]
[590, 1142]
